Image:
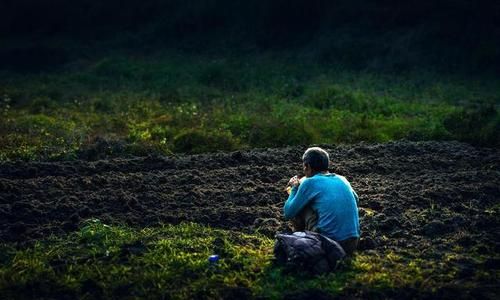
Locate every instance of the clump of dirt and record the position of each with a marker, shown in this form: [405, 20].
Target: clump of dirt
[426, 196]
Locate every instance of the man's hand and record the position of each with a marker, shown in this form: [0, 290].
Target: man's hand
[294, 181]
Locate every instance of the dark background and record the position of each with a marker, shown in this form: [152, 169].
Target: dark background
[450, 35]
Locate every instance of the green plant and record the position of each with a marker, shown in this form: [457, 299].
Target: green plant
[340, 99]
[222, 75]
[479, 125]
[198, 141]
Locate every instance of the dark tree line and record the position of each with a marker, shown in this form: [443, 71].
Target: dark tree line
[256, 16]
[469, 25]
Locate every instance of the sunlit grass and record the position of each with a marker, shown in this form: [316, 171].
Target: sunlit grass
[171, 261]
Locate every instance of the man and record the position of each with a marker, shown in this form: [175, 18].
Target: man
[324, 202]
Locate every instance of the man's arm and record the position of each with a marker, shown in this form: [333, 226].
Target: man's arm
[355, 196]
[299, 197]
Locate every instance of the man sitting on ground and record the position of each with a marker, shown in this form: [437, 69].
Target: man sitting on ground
[323, 202]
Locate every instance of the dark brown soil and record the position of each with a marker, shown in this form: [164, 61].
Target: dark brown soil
[421, 196]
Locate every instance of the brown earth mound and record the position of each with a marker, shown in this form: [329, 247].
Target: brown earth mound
[407, 191]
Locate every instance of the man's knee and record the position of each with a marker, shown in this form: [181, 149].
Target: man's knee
[306, 220]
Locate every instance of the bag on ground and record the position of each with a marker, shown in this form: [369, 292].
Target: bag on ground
[307, 251]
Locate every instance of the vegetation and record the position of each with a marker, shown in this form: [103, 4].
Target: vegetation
[123, 105]
[92, 79]
[172, 262]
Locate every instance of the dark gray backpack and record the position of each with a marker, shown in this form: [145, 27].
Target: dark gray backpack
[307, 251]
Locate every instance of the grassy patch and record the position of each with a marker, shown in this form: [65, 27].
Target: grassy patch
[198, 103]
[171, 261]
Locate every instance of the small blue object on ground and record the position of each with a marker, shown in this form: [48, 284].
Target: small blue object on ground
[213, 258]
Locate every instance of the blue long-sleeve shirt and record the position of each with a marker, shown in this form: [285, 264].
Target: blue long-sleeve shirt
[333, 199]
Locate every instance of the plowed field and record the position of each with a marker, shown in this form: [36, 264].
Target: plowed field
[428, 196]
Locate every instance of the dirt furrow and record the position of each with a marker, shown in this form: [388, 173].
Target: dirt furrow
[407, 190]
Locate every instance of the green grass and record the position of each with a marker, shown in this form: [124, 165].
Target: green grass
[171, 262]
[170, 102]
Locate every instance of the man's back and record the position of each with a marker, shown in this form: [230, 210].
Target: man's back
[333, 199]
